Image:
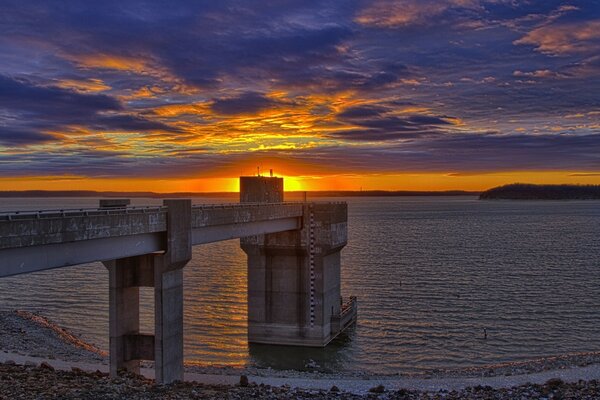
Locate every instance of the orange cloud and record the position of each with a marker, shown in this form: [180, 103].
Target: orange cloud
[137, 65]
[107, 61]
[394, 13]
[540, 73]
[564, 39]
[86, 86]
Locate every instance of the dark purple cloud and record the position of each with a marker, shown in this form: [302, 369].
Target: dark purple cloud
[246, 103]
[18, 137]
[17, 94]
[36, 110]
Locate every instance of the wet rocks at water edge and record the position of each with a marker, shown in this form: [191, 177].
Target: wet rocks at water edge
[31, 334]
[377, 389]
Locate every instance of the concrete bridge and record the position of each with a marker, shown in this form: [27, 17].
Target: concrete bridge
[293, 265]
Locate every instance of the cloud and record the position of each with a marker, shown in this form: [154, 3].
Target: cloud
[540, 73]
[394, 13]
[35, 110]
[465, 153]
[562, 39]
[51, 102]
[385, 123]
[245, 103]
[362, 112]
[10, 137]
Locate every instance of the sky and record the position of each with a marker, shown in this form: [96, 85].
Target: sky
[356, 94]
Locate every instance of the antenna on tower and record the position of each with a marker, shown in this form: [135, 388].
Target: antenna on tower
[271, 172]
[257, 171]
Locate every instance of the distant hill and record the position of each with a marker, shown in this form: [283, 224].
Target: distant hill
[291, 195]
[524, 191]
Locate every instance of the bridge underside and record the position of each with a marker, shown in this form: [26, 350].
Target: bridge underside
[31, 243]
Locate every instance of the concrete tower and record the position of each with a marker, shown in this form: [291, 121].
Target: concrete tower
[261, 189]
[294, 276]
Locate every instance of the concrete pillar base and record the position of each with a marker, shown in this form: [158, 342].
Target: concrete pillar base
[126, 275]
[294, 280]
[168, 322]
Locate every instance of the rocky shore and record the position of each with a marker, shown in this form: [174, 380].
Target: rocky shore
[36, 338]
[43, 382]
[30, 334]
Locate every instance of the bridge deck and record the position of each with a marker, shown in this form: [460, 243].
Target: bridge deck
[39, 240]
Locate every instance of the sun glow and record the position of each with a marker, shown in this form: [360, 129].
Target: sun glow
[296, 181]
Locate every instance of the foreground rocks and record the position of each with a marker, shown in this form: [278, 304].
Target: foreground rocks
[41, 382]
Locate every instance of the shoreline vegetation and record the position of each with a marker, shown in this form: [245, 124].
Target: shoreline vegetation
[31, 335]
[292, 194]
[526, 191]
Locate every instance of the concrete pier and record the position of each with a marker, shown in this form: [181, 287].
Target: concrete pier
[293, 265]
[294, 277]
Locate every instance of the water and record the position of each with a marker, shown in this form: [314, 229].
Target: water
[430, 274]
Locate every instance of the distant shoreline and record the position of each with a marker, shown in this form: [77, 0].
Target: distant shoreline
[525, 191]
[293, 194]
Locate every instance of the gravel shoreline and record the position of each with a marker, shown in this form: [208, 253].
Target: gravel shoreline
[29, 334]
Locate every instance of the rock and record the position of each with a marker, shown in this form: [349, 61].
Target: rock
[30, 364]
[45, 365]
[334, 389]
[554, 383]
[9, 362]
[377, 389]
[244, 381]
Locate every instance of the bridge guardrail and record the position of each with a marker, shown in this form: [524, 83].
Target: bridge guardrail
[75, 212]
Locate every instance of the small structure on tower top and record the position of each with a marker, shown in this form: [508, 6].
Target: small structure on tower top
[261, 189]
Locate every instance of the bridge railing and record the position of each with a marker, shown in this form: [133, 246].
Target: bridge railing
[77, 212]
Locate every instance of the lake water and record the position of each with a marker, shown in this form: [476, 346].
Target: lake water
[430, 275]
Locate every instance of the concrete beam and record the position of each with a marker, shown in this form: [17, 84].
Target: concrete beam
[23, 260]
[138, 347]
[217, 233]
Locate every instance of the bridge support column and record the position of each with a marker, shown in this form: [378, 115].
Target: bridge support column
[127, 345]
[168, 292]
[165, 273]
[168, 322]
